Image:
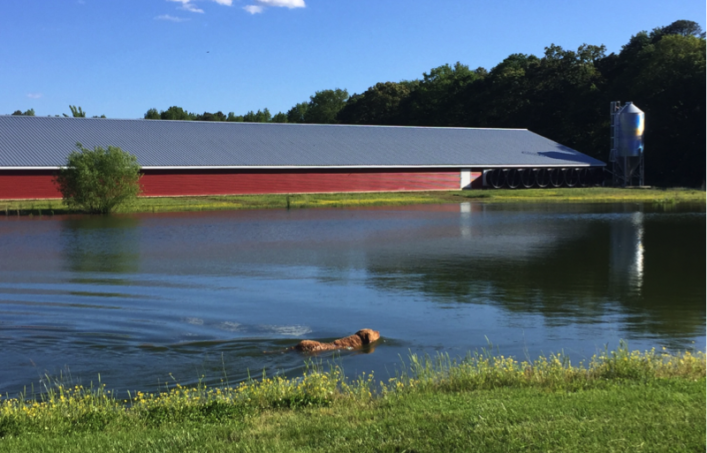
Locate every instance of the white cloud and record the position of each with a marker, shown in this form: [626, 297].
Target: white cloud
[169, 18]
[257, 7]
[34, 95]
[188, 6]
[260, 5]
[253, 9]
[191, 8]
[283, 3]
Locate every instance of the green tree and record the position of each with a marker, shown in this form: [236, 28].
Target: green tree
[261, 116]
[679, 27]
[325, 105]
[207, 116]
[668, 83]
[380, 104]
[279, 118]
[502, 97]
[76, 112]
[438, 99]
[29, 112]
[566, 94]
[152, 114]
[234, 118]
[99, 180]
[176, 113]
[297, 113]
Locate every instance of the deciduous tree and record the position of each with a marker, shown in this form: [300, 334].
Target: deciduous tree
[152, 114]
[29, 112]
[263, 116]
[279, 117]
[208, 116]
[380, 104]
[176, 113]
[76, 112]
[99, 180]
[325, 105]
[297, 113]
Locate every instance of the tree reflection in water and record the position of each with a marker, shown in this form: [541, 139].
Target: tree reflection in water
[101, 243]
[569, 269]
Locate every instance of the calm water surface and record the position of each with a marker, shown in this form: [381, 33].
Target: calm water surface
[146, 299]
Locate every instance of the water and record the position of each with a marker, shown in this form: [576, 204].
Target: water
[149, 299]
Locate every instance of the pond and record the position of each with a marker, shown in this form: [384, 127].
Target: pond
[148, 299]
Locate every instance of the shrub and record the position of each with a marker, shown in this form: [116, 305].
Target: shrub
[99, 180]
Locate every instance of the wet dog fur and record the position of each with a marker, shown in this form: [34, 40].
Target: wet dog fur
[361, 338]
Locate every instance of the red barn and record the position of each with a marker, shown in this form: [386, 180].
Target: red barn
[209, 158]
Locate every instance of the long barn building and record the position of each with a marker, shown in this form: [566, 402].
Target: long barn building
[182, 158]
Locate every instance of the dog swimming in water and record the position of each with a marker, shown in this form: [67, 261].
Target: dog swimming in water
[361, 338]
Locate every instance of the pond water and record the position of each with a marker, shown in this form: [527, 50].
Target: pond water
[146, 299]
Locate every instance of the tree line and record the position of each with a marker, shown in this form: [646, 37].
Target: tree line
[322, 108]
[563, 95]
[76, 112]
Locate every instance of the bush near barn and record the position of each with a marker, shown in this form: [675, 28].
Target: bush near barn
[99, 180]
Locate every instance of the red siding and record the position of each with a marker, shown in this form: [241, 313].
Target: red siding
[157, 183]
[38, 184]
[27, 184]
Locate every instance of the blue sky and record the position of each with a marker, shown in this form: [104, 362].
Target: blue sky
[122, 57]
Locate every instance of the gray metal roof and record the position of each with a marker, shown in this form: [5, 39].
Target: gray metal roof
[41, 142]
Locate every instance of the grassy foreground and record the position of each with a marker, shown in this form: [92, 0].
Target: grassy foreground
[619, 401]
[296, 201]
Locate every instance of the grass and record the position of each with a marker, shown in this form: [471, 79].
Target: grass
[593, 195]
[234, 202]
[339, 200]
[619, 401]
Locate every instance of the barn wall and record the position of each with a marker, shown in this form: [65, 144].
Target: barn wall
[16, 184]
[162, 183]
[19, 184]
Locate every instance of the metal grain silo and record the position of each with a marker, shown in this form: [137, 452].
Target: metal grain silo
[627, 126]
[630, 122]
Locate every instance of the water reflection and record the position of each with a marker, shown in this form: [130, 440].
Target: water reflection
[101, 244]
[627, 252]
[137, 298]
[465, 219]
[569, 269]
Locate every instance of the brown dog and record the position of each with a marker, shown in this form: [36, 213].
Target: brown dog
[359, 339]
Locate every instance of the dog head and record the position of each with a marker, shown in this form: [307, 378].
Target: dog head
[368, 336]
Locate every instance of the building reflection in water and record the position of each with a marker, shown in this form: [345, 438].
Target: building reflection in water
[627, 253]
[465, 220]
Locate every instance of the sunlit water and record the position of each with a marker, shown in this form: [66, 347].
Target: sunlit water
[147, 299]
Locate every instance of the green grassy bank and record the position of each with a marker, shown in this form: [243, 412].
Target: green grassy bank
[297, 201]
[619, 401]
